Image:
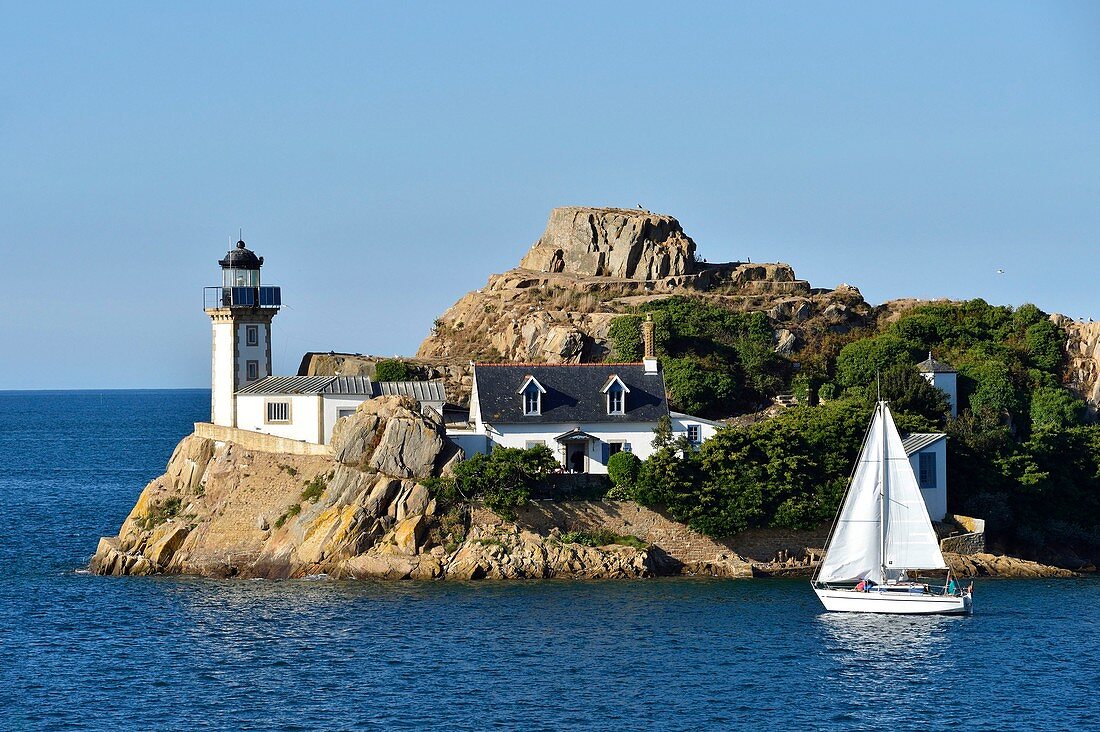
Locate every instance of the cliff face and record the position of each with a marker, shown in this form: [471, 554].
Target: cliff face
[592, 264]
[1083, 352]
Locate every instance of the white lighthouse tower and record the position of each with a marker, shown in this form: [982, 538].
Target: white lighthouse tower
[240, 310]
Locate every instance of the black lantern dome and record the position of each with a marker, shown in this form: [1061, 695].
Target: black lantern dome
[241, 267]
[241, 258]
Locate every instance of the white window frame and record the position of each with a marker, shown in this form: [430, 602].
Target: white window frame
[342, 412]
[525, 397]
[616, 394]
[269, 404]
[698, 438]
[615, 384]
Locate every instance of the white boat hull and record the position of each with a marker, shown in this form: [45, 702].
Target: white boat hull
[898, 603]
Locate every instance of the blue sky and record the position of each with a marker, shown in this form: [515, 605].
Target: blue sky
[386, 158]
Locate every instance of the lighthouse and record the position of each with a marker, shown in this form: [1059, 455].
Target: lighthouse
[240, 310]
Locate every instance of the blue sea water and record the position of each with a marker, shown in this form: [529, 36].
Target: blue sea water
[168, 653]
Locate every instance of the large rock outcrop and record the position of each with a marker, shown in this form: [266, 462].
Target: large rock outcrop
[612, 242]
[389, 435]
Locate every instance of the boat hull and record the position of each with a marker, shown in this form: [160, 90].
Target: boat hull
[895, 603]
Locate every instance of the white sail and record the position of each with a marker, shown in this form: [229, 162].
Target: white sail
[910, 541]
[854, 551]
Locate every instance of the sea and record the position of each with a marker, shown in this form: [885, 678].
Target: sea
[80, 652]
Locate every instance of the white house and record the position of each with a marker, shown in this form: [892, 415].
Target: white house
[928, 455]
[943, 377]
[585, 413]
[246, 396]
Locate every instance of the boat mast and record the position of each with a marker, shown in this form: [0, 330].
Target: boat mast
[884, 467]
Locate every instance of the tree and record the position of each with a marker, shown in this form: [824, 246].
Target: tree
[1055, 408]
[908, 391]
[859, 361]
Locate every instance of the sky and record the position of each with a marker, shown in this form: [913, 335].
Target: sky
[386, 158]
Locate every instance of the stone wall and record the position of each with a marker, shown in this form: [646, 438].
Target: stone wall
[768, 545]
[964, 544]
[258, 440]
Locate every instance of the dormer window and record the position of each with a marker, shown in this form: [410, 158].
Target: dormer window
[531, 395]
[616, 392]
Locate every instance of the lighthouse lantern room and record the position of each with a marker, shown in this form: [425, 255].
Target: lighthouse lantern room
[240, 310]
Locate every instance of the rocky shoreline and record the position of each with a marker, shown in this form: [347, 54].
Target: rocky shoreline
[224, 510]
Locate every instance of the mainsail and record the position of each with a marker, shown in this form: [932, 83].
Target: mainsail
[875, 535]
[910, 541]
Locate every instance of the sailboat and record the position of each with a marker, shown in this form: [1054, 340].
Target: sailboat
[883, 537]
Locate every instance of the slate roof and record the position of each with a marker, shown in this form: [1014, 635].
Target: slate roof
[932, 366]
[917, 441]
[572, 393]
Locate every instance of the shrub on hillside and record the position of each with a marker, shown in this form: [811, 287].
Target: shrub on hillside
[392, 370]
[503, 479]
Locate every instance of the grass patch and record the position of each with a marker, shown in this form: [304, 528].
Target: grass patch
[293, 510]
[601, 537]
[161, 512]
[314, 488]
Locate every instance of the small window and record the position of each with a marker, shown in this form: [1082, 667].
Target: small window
[532, 401]
[926, 463]
[252, 335]
[616, 400]
[534, 443]
[278, 412]
[693, 434]
[345, 412]
[252, 370]
[614, 448]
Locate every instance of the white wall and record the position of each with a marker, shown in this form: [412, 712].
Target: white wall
[334, 403]
[947, 383]
[638, 435]
[935, 499]
[305, 413]
[222, 371]
[257, 353]
[680, 422]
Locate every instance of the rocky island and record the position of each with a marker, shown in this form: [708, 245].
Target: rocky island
[370, 504]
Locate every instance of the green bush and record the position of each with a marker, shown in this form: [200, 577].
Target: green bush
[392, 370]
[503, 479]
[1055, 408]
[625, 336]
[623, 469]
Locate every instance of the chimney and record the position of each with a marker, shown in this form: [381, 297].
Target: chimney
[650, 349]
